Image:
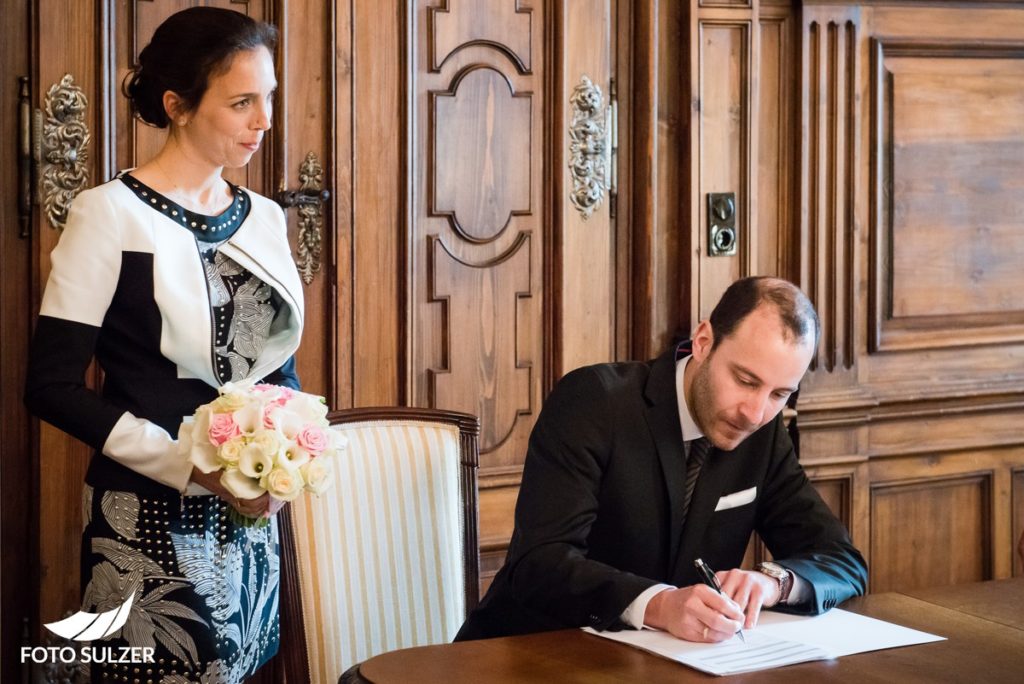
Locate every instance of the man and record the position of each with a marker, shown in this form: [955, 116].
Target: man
[606, 533]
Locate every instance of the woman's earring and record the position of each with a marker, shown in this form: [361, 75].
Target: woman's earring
[182, 122]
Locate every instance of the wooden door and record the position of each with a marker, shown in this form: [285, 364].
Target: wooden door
[511, 244]
[468, 277]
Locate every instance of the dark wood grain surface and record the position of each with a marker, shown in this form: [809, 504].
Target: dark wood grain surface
[976, 649]
[999, 601]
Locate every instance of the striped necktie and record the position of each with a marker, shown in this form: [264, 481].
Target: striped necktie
[698, 453]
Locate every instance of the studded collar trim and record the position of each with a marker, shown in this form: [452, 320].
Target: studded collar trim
[205, 228]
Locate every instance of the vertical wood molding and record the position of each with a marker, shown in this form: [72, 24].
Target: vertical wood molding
[19, 565]
[774, 188]
[831, 75]
[379, 201]
[726, 143]
[645, 56]
[1016, 517]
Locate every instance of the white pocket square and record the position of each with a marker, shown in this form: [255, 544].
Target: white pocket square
[741, 498]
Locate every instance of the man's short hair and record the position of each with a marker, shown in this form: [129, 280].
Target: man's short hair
[744, 296]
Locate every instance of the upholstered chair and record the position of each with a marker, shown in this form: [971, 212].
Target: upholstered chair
[387, 557]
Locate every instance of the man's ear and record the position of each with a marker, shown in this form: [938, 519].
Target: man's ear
[703, 340]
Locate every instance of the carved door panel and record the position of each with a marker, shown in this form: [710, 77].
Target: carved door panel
[511, 241]
[81, 51]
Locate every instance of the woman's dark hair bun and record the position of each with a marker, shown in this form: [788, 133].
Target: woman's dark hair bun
[147, 100]
[187, 49]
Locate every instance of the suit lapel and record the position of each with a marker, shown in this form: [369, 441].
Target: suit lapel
[662, 414]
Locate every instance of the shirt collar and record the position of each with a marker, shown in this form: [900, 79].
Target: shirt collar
[689, 425]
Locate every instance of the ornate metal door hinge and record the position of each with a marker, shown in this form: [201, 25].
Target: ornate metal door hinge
[309, 198]
[593, 147]
[61, 149]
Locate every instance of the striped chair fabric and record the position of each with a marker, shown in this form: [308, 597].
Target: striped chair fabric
[381, 556]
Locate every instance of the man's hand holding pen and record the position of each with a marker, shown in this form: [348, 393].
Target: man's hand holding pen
[751, 591]
[695, 613]
[716, 610]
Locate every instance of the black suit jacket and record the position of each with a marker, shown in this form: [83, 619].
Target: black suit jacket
[599, 519]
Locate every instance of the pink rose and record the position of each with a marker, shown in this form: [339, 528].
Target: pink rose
[268, 417]
[279, 396]
[313, 439]
[222, 428]
[286, 395]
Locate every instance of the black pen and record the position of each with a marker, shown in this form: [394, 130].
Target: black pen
[707, 575]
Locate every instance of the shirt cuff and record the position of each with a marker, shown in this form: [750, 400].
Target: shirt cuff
[635, 611]
[801, 591]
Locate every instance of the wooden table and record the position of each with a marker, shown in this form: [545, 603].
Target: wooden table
[983, 622]
[1000, 601]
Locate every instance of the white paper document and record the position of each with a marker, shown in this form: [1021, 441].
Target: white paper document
[778, 640]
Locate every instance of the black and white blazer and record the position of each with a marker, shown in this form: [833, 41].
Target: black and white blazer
[127, 286]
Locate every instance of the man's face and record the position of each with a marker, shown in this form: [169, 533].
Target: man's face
[746, 380]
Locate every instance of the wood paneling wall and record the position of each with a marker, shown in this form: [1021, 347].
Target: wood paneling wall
[874, 149]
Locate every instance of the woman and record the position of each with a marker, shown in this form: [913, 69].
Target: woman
[177, 282]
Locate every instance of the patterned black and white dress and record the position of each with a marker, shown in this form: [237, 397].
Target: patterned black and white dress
[204, 588]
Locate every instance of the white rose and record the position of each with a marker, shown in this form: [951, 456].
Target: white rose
[253, 462]
[226, 403]
[231, 451]
[240, 485]
[318, 476]
[268, 441]
[283, 484]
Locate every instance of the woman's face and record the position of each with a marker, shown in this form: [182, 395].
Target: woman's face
[228, 125]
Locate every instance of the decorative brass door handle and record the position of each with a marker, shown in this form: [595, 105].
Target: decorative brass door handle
[302, 198]
[592, 146]
[310, 199]
[62, 148]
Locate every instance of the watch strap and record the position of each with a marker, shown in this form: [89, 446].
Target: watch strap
[782, 575]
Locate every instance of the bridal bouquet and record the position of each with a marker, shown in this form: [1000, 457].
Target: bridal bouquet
[263, 438]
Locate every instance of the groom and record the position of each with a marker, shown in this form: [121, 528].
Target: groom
[634, 470]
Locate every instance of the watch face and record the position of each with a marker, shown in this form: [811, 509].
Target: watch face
[772, 569]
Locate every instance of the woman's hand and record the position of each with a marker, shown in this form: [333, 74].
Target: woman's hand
[263, 505]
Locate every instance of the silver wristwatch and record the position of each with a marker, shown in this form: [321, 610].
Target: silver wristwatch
[781, 575]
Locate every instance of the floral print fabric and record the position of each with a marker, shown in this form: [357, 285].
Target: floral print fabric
[243, 309]
[205, 589]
